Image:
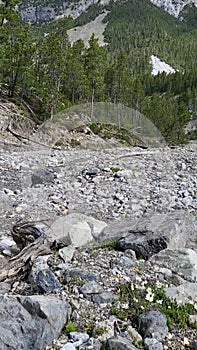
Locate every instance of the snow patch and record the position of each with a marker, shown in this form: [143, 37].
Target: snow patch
[160, 66]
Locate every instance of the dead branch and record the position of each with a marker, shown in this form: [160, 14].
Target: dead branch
[21, 138]
[33, 243]
[21, 263]
[30, 110]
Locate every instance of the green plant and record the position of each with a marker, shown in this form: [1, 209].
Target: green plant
[136, 299]
[70, 327]
[89, 327]
[109, 244]
[115, 169]
[99, 331]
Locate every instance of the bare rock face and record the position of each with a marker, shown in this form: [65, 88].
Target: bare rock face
[31, 323]
[174, 7]
[35, 12]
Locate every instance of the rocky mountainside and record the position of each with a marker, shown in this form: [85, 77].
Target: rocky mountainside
[35, 11]
[174, 7]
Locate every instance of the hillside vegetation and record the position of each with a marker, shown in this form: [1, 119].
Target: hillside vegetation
[50, 75]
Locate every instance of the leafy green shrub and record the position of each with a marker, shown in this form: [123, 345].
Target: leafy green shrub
[70, 327]
[137, 299]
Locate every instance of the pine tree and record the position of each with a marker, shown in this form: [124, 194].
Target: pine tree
[95, 65]
[16, 46]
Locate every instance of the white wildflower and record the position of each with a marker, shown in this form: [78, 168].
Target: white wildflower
[132, 286]
[158, 284]
[138, 278]
[149, 290]
[185, 341]
[169, 336]
[149, 297]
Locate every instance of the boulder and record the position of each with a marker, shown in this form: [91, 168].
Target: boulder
[153, 324]
[46, 281]
[176, 229]
[182, 262]
[75, 229]
[144, 245]
[31, 322]
[183, 293]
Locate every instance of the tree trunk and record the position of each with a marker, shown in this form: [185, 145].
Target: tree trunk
[92, 102]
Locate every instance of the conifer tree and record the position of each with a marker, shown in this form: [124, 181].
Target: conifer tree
[95, 65]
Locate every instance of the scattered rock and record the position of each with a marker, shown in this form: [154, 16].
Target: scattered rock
[194, 345]
[42, 176]
[68, 346]
[79, 338]
[46, 281]
[193, 321]
[182, 262]
[4, 288]
[84, 198]
[183, 293]
[74, 274]
[67, 253]
[135, 336]
[152, 344]
[105, 297]
[91, 288]
[125, 262]
[153, 324]
[120, 343]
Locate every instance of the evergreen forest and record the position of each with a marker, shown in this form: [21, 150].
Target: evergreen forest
[41, 67]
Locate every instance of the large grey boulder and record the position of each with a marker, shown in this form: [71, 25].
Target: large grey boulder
[75, 229]
[153, 324]
[144, 245]
[183, 293]
[182, 262]
[31, 322]
[151, 234]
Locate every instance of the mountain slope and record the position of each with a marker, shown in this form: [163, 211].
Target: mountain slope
[37, 11]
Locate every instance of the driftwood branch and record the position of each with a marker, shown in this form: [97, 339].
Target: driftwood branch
[20, 264]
